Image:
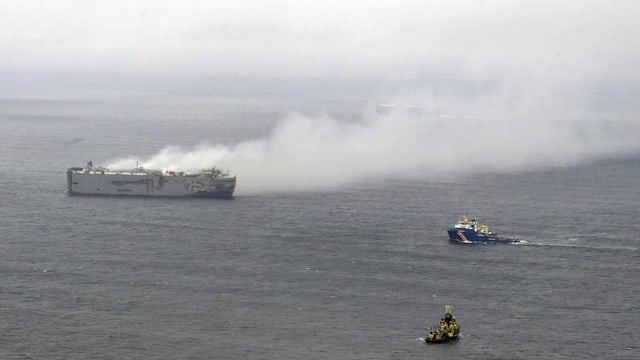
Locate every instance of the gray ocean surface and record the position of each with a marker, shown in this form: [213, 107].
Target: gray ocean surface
[355, 273]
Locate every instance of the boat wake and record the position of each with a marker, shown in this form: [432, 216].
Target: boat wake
[608, 247]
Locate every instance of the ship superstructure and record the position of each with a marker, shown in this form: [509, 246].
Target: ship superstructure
[92, 180]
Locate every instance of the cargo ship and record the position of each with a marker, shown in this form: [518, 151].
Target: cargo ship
[90, 180]
[469, 231]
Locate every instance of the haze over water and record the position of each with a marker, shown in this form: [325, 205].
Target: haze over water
[335, 245]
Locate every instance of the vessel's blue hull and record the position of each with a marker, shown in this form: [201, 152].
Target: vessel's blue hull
[469, 236]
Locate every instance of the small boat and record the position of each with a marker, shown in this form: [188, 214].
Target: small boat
[469, 231]
[447, 330]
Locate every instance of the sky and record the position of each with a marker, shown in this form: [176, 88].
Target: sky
[542, 80]
[569, 39]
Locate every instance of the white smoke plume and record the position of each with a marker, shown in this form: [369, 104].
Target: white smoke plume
[304, 152]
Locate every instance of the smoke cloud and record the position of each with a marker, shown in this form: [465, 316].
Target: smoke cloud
[501, 133]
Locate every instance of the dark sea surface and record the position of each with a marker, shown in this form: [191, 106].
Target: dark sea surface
[355, 273]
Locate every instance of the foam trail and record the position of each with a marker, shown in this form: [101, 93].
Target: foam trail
[322, 152]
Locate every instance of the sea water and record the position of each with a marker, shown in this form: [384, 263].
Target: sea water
[355, 272]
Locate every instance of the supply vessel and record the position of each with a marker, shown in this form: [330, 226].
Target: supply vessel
[469, 231]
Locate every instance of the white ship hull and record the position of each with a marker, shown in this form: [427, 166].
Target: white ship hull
[139, 182]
